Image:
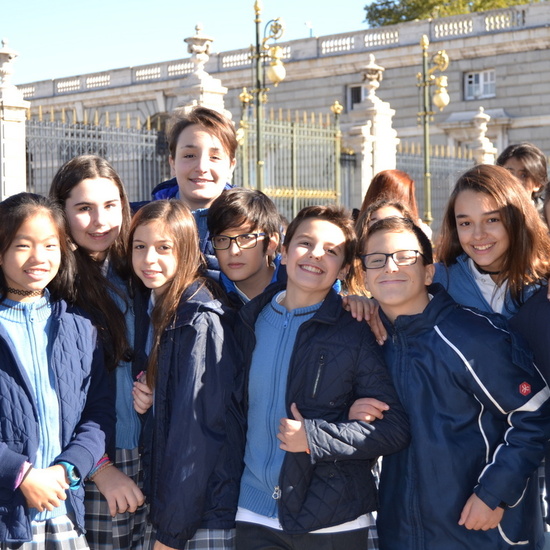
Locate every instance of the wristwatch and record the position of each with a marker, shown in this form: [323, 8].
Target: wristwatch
[73, 475]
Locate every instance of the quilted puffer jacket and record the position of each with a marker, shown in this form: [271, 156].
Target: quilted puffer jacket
[335, 361]
[86, 411]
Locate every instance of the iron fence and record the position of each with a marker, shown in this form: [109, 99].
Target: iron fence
[302, 161]
[446, 165]
[138, 155]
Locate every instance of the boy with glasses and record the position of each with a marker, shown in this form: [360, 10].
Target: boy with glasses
[477, 405]
[244, 228]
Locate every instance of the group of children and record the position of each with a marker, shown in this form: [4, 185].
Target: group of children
[189, 355]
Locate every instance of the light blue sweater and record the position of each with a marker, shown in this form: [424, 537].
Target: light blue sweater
[28, 325]
[276, 329]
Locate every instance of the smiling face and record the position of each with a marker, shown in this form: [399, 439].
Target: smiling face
[201, 165]
[481, 230]
[34, 256]
[94, 213]
[314, 259]
[400, 290]
[153, 256]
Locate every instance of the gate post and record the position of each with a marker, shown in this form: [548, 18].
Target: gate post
[370, 133]
[200, 88]
[13, 174]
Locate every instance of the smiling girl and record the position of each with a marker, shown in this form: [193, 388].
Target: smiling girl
[196, 442]
[494, 249]
[98, 219]
[55, 407]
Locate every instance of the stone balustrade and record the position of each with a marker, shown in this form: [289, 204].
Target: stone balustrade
[518, 17]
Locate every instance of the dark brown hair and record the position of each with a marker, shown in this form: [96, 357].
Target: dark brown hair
[90, 282]
[533, 160]
[213, 122]
[393, 224]
[241, 206]
[13, 212]
[176, 220]
[528, 257]
[334, 214]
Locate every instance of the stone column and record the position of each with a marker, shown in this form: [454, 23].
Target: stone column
[13, 170]
[370, 133]
[200, 88]
[483, 150]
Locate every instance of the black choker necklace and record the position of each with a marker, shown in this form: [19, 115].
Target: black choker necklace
[26, 293]
[485, 272]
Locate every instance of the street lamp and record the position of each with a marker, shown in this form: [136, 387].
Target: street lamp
[275, 72]
[439, 62]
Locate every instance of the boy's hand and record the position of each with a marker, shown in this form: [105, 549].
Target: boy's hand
[292, 434]
[367, 409]
[44, 489]
[361, 308]
[143, 397]
[121, 493]
[476, 515]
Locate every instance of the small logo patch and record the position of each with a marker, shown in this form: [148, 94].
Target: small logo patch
[525, 388]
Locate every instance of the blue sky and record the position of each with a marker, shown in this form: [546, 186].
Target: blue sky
[61, 38]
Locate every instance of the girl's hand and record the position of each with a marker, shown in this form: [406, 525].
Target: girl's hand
[44, 489]
[367, 409]
[365, 308]
[121, 493]
[143, 397]
[292, 433]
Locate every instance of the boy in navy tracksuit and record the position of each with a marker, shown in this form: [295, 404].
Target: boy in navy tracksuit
[477, 405]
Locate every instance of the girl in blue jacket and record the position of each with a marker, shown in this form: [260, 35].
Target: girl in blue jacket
[494, 249]
[195, 446]
[55, 408]
[98, 220]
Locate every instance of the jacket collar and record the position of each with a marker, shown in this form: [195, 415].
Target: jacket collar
[329, 312]
[440, 305]
[194, 300]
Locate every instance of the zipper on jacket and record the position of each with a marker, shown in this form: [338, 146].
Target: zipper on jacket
[276, 493]
[320, 368]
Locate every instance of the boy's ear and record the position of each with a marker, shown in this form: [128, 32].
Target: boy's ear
[342, 274]
[273, 244]
[430, 272]
[232, 165]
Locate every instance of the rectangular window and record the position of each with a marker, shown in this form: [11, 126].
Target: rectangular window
[480, 84]
[355, 95]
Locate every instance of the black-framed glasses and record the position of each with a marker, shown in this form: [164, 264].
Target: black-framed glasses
[378, 260]
[244, 241]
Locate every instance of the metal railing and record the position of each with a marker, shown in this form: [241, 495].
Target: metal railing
[138, 155]
[446, 165]
[302, 161]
